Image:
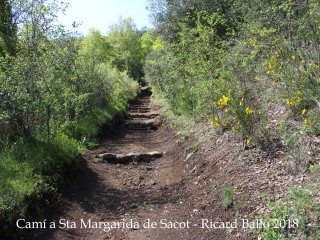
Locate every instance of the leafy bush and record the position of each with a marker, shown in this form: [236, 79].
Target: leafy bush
[227, 197]
[231, 59]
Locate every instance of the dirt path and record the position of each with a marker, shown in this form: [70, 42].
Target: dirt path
[133, 195]
[177, 193]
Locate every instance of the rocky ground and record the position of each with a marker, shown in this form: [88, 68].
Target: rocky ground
[146, 182]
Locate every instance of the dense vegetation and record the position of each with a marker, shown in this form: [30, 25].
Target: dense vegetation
[250, 67]
[56, 90]
[230, 59]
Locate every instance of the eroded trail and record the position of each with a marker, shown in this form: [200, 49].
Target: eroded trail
[130, 190]
[138, 181]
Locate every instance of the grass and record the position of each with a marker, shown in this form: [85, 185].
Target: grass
[182, 124]
[32, 167]
[16, 180]
[88, 126]
[32, 172]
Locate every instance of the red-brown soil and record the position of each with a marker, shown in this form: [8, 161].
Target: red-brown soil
[179, 188]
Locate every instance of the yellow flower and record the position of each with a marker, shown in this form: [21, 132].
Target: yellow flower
[226, 110]
[304, 111]
[249, 111]
[215, 122]
[293, 57]
[307, 122]
[288, 101]
[294, 102]
[273, 83]
[223, 101]
[303, 62]
[291, 103]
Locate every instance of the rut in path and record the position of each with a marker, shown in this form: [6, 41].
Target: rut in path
[110, 191]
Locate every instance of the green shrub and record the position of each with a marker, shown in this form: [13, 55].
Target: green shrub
[231, 63]
[298, 214]
[227, 197]
[17, 182]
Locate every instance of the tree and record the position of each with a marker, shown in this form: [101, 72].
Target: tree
[173, 16]
[125, 39]
[93, 62]
[32, 81]
[8, 29]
